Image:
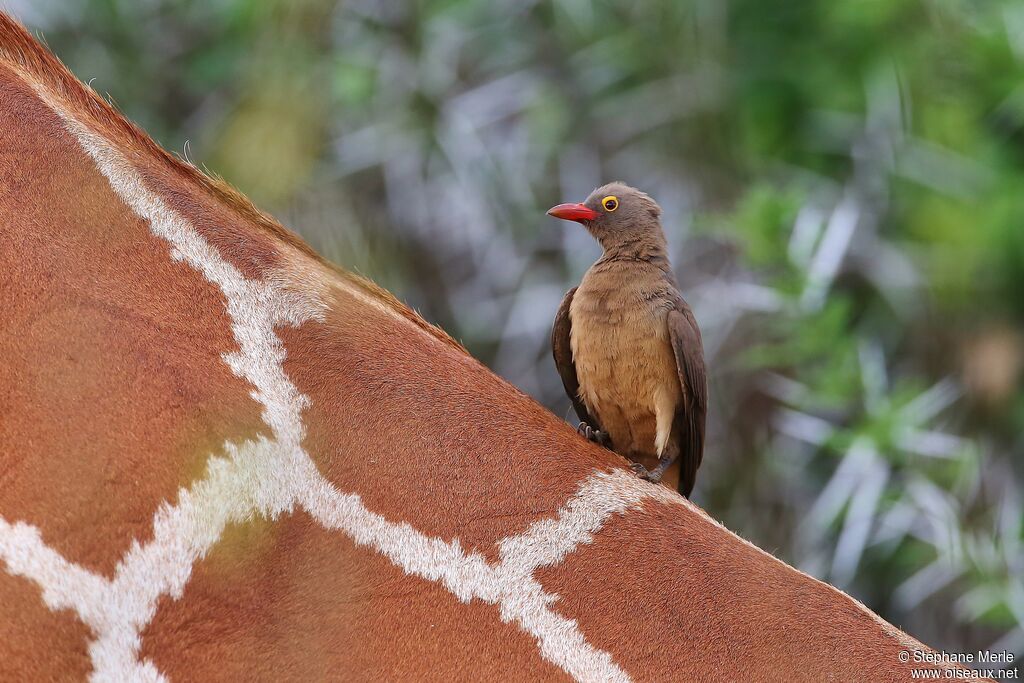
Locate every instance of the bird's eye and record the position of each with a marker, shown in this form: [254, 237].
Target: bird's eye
[610, 203]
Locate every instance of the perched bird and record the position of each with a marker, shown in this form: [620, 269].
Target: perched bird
[626, 344]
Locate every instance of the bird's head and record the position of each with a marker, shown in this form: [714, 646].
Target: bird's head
[615, 214]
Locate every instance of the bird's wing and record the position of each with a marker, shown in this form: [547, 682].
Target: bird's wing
[692, 411]
[561, 347]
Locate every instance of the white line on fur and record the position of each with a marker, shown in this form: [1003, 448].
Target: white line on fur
[270, 477]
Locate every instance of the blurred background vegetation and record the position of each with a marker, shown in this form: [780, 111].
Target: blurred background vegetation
[843, 184]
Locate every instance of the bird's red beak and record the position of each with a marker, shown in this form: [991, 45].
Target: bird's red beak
[573, 212]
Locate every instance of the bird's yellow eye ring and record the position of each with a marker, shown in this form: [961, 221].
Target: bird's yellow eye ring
[610, 203]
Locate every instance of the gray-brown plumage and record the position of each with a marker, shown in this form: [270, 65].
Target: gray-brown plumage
[626, 344]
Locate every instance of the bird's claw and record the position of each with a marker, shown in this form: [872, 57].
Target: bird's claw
[644, 473]
[591, 434]
[639, 470]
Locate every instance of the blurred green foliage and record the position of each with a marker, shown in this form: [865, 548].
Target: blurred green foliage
[843, 184]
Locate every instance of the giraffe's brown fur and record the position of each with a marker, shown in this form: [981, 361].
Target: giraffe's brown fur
[20, 51]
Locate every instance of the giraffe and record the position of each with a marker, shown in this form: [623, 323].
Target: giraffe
[223, 458]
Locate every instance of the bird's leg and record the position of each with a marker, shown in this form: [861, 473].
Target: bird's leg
[655, 475]
[664, 462]
[595, 435]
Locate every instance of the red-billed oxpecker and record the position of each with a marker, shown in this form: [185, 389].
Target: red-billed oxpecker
[626, 344]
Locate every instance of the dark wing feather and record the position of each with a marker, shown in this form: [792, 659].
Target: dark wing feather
[688, 424]
[561, 347]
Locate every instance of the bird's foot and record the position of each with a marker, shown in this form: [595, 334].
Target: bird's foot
[653, 476]
[595, 435]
